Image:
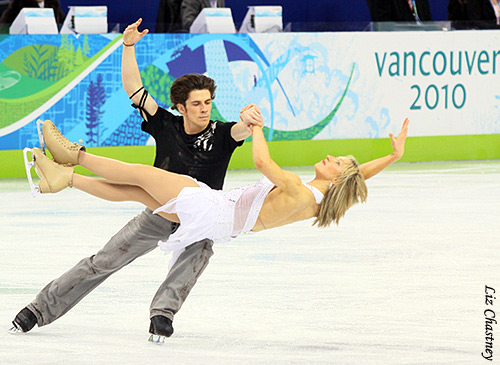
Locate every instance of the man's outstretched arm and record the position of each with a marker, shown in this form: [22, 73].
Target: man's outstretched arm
[131, 77]
[243, 128]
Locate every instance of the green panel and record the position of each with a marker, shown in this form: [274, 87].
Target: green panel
[156, 81]
[12, 164]
[307, 153]
[15, 109]
[418, 149]
[26, 85]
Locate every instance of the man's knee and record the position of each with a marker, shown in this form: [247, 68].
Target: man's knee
[198, 255]
[121, 250]
[202, 248]
[108, 261]
[208, 248]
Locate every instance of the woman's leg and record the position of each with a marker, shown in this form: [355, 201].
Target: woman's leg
[113, 192]
[161, 185]
[118, 192]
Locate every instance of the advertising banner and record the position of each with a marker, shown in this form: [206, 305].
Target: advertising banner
[309, 86]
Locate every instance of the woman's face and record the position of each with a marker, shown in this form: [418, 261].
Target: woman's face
[331, 167]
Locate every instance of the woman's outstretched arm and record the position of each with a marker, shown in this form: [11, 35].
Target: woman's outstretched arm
[371, 168]
[265, 164]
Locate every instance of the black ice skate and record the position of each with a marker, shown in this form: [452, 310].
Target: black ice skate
[24, 321]
[160, 328]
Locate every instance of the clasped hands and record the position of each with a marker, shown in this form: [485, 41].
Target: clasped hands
[250, 115]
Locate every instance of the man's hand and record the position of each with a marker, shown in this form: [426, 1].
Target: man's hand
[250, 116]
[398, 143]
[249, 106]
[131, 34]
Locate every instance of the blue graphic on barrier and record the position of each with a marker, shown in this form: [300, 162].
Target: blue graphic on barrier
[97, 110]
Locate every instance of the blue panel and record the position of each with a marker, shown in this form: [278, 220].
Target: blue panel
[235, 52]
[187, 61]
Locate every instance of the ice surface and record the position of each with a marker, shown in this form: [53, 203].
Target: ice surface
[401, 280]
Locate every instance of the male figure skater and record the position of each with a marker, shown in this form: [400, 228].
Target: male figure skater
[190, 144]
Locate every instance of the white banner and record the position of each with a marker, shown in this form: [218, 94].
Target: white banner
[447, 83]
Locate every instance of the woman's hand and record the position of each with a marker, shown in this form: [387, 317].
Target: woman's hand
[249, 106]
[398, 143]
[373, 167]
[250, 115]
[131, 34]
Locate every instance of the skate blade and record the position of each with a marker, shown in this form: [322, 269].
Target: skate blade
[35, 190]
[39, 122]
[157, 339]
[15, 330]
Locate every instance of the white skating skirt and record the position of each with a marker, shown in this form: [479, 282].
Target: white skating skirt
[207, 213]
[203, 213]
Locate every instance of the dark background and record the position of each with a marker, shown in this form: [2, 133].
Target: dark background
[299, 11]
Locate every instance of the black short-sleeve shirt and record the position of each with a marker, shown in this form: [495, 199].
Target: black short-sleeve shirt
[203, 156]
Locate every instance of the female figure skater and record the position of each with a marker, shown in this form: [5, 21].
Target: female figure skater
[277, 199]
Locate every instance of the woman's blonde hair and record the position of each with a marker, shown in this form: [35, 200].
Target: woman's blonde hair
[348, 189]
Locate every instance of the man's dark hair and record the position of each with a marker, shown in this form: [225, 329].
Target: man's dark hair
[182, 86]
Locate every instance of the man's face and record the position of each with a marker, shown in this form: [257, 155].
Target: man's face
[197, 111]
